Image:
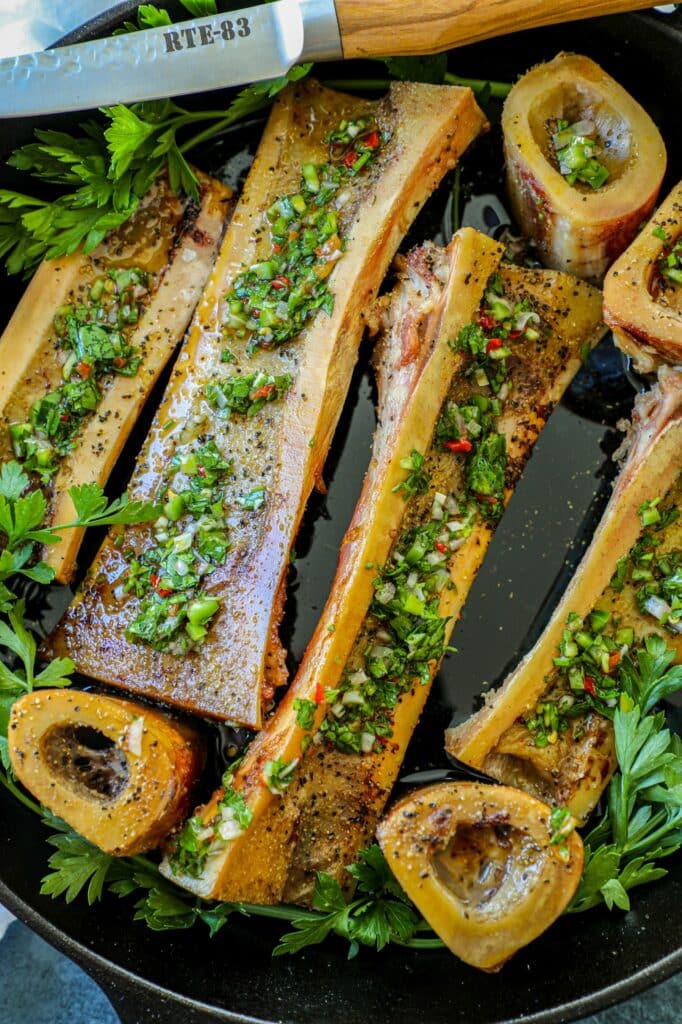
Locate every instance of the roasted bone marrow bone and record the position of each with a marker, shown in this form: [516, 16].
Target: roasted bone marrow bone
[121, 774]
[489, 867]
[89, 339]
[643, 290]
[548, 728]
[188, 611]
[316, 779]
[584, 164]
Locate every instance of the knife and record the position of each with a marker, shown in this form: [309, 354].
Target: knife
[263, 42]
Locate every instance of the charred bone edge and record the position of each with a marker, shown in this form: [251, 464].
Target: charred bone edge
[644, 327]
[498, 826]
[29, 339]
[654, 459]
[413, 379]
[431, 126]
[580, 232]
[142, 766]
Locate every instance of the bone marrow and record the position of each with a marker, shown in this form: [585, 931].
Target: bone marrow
[584, 164]
[90, 337]
[643, 290]
[189, 606]
[489, 867]
[547, 729]
[120, 773]
[457, 422]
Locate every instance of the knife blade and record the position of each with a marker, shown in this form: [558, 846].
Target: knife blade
[263, 42]
[37, 24]
[247, 45]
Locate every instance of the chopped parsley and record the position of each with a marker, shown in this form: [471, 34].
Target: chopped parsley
[253, 500]
[417, 480]
[271, 302]
[197, 839]
[278, 774]
[670, 262]
[93, 335]
[191, 542]
[246, 394]
[576, 148]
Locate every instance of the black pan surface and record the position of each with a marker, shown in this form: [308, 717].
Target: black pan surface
[583, 963]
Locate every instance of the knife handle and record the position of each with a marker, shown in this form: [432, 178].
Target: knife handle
[375, 28]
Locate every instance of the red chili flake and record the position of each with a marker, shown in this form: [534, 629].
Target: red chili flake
[263, 392]
[164, 592]
[372, 140]
[614, 659]
[515, 334]
[319, 693]
[589, 686]
[84, 369]
[64, 417]
[487, 322]
[441, 547]
[493, 344]
[463, 445]
[154, 580]
[350, 158]
[277, 247]
[118, 362]
[201, 470]
[281, 282]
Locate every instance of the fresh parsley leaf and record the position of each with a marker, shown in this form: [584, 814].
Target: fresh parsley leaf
[108, 168]
[13, 481]
[76, 864]
[305, 712]
[200, 8]
[380, 913]
[93, 508]
[644, 819]
[430, 68]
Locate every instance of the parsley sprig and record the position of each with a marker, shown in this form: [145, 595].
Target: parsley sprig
[22, 512]
[380, 913]
[643, 822]
[105, 171]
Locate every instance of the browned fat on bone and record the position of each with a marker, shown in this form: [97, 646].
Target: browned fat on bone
[121, 774]
[283, 448]
[332, 806]
[641, 306]
[577, 228]
[176, 241]
[572, 772]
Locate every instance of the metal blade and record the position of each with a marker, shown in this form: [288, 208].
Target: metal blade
[37, 24]
[193, 56]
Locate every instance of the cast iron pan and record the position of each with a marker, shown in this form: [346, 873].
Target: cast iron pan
[583, 963]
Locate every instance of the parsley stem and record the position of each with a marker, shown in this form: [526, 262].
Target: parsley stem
[358, 84]
[283, 911]
[15, 791]
[434, 943]
[219, 126]
[498, 90]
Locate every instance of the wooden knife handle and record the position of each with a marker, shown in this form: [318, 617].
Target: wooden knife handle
[375, 28]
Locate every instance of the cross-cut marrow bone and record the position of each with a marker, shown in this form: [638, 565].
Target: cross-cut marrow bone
[121, 774]
[573, 770]
[642, 301]
[172, 240]
[576, 227]
[279, 452]
[481, 865]
[331, 807]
